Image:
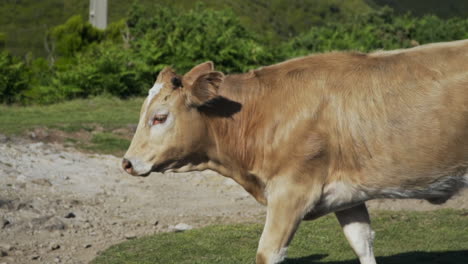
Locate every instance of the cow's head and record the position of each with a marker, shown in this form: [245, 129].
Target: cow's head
[171, 127]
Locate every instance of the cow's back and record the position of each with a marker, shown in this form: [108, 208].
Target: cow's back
[390, 118]
[406, 115]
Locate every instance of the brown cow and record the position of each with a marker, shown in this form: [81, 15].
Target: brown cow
[317, 134]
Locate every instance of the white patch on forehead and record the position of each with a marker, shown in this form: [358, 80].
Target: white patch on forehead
[152, 93]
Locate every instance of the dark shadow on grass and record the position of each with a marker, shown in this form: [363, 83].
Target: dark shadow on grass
[415, 257]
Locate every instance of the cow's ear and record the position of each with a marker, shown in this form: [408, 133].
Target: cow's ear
[205, 88]
[203, 68]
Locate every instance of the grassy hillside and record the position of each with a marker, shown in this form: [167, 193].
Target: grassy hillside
[26, 21]
[444, 9]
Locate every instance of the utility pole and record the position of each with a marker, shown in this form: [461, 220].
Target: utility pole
[98, 13]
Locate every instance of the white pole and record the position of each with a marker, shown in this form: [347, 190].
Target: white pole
[98, 13]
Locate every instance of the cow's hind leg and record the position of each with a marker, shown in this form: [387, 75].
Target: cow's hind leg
[287, 205]
[355, 222]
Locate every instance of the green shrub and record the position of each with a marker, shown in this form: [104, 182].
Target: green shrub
[74, 36]
[430, 29]
[124, 60]
[14, 78]
[171, 37]
[128, 69]
[382, 29]
[104, 69]
[114, 31]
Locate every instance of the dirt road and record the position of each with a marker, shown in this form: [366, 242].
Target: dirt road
[58, 205]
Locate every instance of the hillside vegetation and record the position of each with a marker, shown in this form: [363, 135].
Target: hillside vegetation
[25, 22]
[443, 9]
[123, 60]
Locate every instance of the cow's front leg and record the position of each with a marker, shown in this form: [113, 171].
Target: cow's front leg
[355, 222]
[287, 205]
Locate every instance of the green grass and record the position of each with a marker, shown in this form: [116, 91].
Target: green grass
[97, 116]
[107, 143]
[110, 113]
[401, 238]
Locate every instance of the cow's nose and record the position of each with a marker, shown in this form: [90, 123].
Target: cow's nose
[127, 166]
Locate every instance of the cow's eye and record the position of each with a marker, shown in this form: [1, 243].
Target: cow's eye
[159, 119]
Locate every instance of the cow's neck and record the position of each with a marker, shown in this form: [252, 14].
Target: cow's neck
[233, 151]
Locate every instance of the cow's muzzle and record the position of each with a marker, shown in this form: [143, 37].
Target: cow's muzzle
[127, 166]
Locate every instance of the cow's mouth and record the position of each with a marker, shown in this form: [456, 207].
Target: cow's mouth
[144, 174]
[167, 165]
[174, 164]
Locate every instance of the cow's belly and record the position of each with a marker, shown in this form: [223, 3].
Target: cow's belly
[437, 192]
[340, 195]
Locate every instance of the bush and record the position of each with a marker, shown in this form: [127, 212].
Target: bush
[74, 36]
[124, 60]
[14, 78]
[128, 68]
[377, 30]
[170, 37]
[433, 29]
[104, 69]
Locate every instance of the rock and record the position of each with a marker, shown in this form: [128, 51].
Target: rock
[130, 236]
[7, 204]
[57, 260]
[6, 247]
[5, 223]
[55, 224]
[182, 227]
[3, 253]
[32, 135]
[19, 185]
[8, 260]
[42, 181]
[54, 246]
[21, 178]
[75, 202]
[38, 221]
[36, 146]
[70, 215]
